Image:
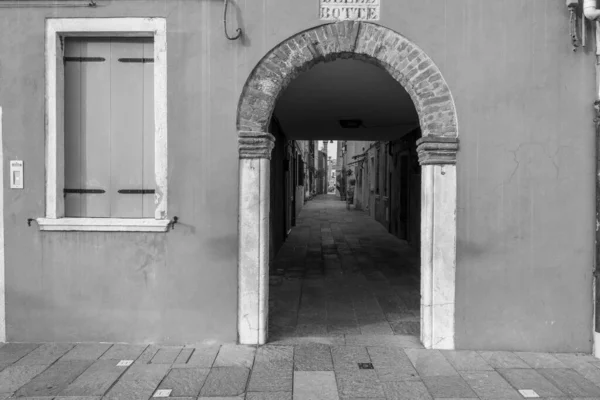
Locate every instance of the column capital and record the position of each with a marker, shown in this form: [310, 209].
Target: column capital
[435, 150]
[255, 144]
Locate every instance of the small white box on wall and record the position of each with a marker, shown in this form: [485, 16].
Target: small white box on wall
[16, 174]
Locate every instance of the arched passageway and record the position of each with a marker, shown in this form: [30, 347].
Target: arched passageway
[422, 80]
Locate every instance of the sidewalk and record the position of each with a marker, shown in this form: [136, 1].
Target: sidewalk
[279, 372]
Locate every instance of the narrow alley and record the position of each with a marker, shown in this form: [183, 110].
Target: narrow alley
[341, 273]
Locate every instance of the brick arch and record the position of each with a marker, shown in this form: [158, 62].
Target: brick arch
[437, 150]
[402, 59]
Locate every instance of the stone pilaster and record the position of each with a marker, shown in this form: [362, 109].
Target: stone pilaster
[254, 145]
[436, 150]
[253, 274]
[437, 156]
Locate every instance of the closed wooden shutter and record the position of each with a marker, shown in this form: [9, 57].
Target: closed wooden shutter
[109, 127]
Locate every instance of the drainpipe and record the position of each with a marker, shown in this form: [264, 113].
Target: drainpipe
[597, 253]
[591, 12]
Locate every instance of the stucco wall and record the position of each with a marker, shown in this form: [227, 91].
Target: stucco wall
[525, 176]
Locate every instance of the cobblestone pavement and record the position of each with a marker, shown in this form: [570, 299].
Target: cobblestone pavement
[369, 369]
[340, 272]
[344, 326]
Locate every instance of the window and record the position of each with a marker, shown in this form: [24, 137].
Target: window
[106, 132]
[109, 127]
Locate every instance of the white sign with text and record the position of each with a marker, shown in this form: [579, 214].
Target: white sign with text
[354, 10]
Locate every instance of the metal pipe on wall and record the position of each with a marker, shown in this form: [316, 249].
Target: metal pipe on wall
[596, 286]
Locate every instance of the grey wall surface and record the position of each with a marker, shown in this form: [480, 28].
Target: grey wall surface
[525, 176]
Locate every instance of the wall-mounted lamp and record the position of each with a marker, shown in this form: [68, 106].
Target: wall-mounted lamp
[350, 123]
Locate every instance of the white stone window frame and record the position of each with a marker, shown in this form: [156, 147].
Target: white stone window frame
[56, 30]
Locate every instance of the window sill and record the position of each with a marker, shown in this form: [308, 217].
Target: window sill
[104, 224]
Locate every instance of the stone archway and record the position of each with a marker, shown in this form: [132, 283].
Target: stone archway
[421, 78]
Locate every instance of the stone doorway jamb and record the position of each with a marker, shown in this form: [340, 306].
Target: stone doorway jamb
[437, 156]
[253, 258]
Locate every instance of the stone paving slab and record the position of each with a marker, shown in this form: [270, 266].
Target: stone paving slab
[360, 383]
[384, 340]
[392, 364]
[490, 385]
[448, 386]
[86, 351]
[315, 385]
[584, 366]
[430, 363]
[503, 359]
[185, 382]
[570, 382]
[123, 352]
[315, 357]
[96, 380]
[269, 396]
[78, 398]
[232, 355]
[54, 379]
[13, 377]
[138, 382]
[45, 354]
[147, 355]
[184, 356]
[166, 355]
[530, 379]
[204, 356]
[12, 352]
[348, 358]
[540, 360]
[466, 360]
[225, 381]
[407, 390]
[277, 376]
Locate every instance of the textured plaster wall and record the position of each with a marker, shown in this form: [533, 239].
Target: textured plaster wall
[525, 176]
